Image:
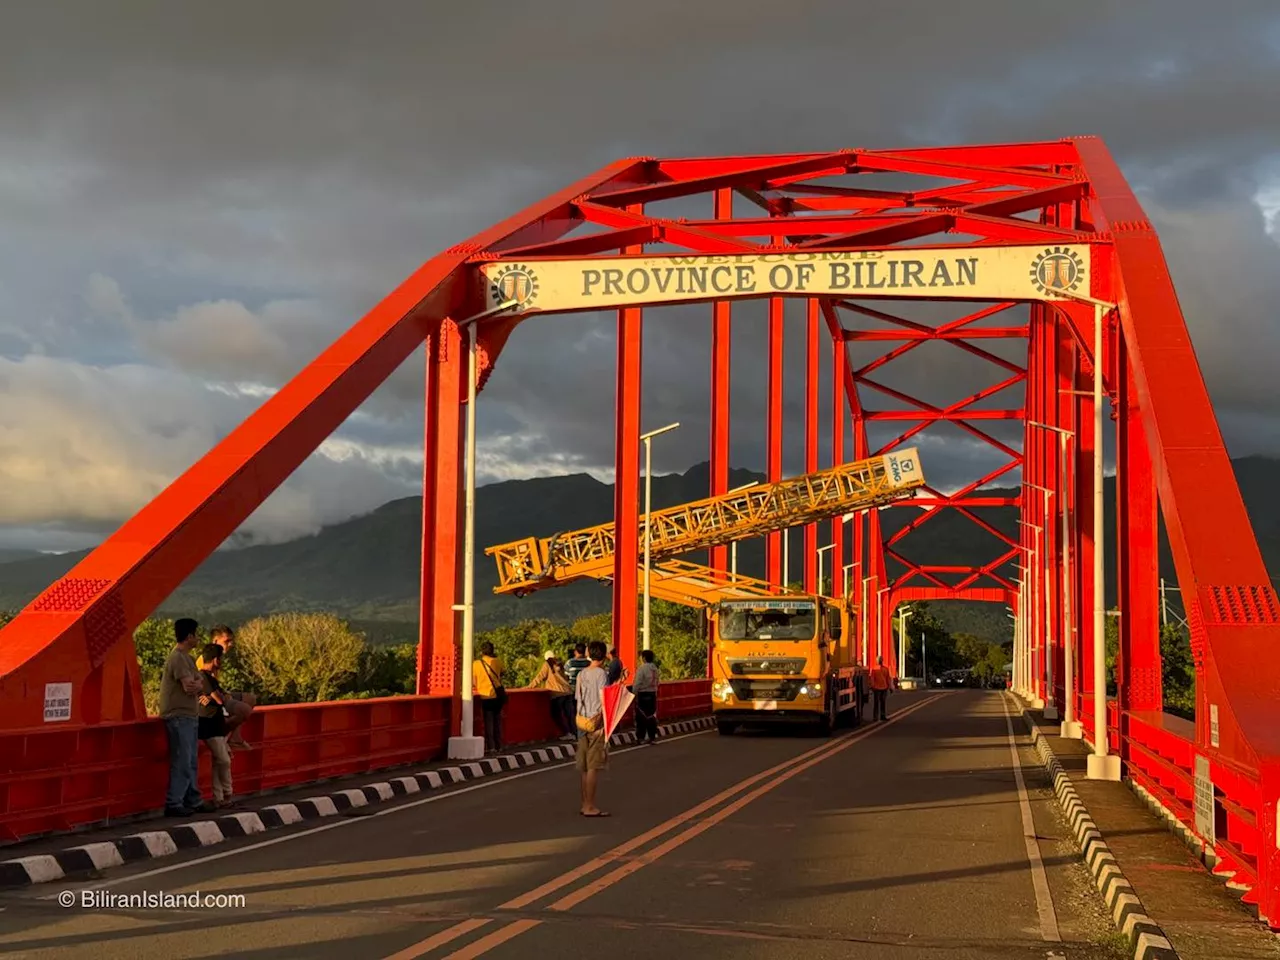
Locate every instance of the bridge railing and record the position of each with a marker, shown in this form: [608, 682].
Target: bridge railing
[55, 780]
[1159, 753]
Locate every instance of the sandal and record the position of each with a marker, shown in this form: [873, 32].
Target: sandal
[598, 813]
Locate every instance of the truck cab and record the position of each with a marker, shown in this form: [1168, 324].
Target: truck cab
[788, 659]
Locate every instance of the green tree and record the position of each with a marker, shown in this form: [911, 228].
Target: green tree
[939, 647]
[298, 657]
[970, 649]
[676, 634]
[1178, 671]
[521, 645]
[384, 671]
[153, 640]
[5, 617]
[678, 637]
[598, 626]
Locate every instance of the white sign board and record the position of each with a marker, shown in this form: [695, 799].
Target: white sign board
[1205, 824]
[903, 468]
[965, 273]
[57, 702]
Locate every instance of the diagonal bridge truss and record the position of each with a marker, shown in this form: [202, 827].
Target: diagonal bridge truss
[1000, 233]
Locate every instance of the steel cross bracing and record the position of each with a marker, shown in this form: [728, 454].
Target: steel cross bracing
[532, 563]
[974, 200]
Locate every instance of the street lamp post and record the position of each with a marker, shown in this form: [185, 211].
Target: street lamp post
[647, 440]
[880, 640]
[1037, 702]
[1101, 764]
[467, 746]
[821, 551]
[1050, 706]
[733, 547]
[1071, 728]
[903, 613]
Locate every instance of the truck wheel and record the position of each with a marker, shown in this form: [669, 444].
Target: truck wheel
[828, 722]
[725, 728]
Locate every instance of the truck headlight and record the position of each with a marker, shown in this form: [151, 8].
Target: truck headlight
[812, 690]
[721, 690]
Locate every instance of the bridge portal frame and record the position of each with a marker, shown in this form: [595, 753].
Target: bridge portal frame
[1071, 191]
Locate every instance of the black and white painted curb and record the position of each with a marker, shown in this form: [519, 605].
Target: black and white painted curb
[1146, 938]
[151, 844]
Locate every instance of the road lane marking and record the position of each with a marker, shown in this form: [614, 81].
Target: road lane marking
[346, 822]
[786, 769]
[1039, 879]
[491, 940]
[609, 879]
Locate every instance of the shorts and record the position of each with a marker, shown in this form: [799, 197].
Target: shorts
[593, 751]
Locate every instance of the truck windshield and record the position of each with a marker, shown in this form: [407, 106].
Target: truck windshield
[798, 622]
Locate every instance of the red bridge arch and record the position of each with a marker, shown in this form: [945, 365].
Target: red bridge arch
[1019, 200]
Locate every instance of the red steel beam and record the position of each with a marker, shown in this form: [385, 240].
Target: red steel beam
[67, 633]
[773, 430]
[750, 176]
[812, 346]
[628, 411]
[839, 402]
[721, 339]
[441, 570]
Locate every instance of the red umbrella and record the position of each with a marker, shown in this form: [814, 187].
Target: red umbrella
[617, 698]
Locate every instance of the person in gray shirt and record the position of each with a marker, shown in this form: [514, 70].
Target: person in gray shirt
[645, 687]
[593, 741]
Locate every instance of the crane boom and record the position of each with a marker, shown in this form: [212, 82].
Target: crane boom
[536, 563]
[695, 585]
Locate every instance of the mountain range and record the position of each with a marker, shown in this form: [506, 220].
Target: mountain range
[367, 568]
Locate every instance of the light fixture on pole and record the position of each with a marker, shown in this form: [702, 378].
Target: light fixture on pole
[1102, 765]
[1035, 677]
[904, 612]
[1050, 707]
[647, 440]
[821, 551]
[1071, 727]
[733, 547]
[467, 746]
[880, 639]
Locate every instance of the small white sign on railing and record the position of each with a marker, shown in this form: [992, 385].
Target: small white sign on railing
[57, 702]
[1204, 801]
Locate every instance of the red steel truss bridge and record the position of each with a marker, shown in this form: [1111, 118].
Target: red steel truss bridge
[1036, 251]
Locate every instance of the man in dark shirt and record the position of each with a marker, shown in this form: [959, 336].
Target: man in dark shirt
[613, 670]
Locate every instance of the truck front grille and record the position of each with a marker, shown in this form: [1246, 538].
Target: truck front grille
[784, 666]
[779, 689]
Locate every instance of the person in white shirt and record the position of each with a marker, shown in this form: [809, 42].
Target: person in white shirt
[593, 742]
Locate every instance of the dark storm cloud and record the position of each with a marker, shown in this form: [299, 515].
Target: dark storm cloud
[217, 191]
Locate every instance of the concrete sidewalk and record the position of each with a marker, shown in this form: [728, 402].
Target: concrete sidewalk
[1200, 917]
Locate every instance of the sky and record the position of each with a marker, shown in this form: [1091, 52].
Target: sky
[196, 199]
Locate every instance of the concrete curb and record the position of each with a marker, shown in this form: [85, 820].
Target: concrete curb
[153, 844]
[1145, 936]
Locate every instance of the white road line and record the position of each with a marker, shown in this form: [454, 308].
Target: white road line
[1039, 879]
[120, 881]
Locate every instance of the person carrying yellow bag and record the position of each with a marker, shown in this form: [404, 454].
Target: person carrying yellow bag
[593, 742]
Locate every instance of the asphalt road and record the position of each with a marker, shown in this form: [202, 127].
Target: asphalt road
[902, 841]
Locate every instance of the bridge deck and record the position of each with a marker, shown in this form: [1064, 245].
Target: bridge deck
[890, 841]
